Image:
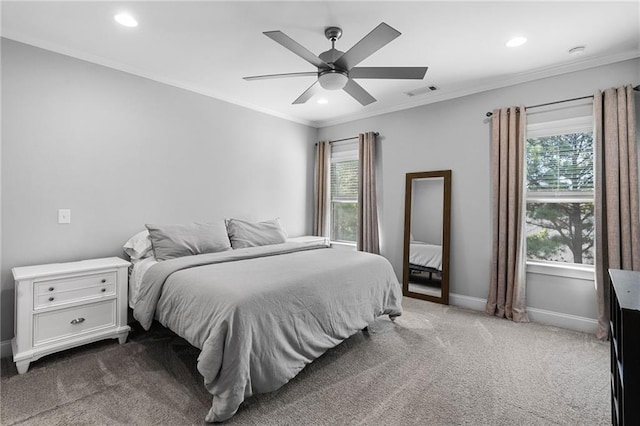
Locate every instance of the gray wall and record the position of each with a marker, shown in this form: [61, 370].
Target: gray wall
[455, 135]
[121, 151]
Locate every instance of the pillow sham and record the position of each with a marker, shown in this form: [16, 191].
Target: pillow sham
[139, 246]
[171, 241]
[253, 234]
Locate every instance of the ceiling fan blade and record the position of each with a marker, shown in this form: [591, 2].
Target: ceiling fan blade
[291, 74]
[377, 38]
[307, 94]
[358, 93]
[289, 43]
[403, 73]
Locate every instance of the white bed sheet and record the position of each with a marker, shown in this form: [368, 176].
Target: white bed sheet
[424, 254]
[137, 272]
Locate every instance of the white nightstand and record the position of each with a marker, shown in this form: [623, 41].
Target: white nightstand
[63, 305]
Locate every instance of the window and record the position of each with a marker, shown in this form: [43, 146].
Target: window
[559, 222]
[344, 191]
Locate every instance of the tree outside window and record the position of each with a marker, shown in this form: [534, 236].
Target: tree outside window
[560, 197]
[344, 200]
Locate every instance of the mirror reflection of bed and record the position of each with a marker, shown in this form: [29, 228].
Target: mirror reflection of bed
[425, 268]
[427, 233]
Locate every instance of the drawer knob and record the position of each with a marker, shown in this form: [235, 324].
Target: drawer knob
[77, 320]
[103, 280]
[50, 288]
[51, 299]
[103, 290]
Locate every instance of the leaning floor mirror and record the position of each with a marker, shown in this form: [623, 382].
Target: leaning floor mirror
[427, 227]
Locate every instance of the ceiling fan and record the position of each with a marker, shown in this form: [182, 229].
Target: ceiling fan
[337, 70]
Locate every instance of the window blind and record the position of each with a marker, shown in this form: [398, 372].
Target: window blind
[344, 180]
[560, 157]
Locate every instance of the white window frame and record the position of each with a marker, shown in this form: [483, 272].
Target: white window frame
[555, 128]
[340, 151]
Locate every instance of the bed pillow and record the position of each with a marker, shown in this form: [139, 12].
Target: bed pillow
[139, 246]
[253, 234]
[171, 241]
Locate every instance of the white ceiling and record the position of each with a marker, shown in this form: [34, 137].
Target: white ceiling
[208, 46]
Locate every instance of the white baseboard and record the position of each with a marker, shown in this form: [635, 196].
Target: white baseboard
[474, 303]
[558, 319]
[542, 316]
[5, 349]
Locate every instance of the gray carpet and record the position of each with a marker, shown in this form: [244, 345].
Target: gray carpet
[436, 365]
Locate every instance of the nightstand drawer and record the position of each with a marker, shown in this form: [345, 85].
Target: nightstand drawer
[69, 322]
[54, 292]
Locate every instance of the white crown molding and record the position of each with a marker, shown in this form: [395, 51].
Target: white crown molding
[53, 47]
[491, 84]
[429, 98]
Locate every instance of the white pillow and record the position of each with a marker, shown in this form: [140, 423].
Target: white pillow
[253, 234]
[139, 246]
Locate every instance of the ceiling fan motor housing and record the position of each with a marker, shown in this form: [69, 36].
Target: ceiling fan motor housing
[332, 78]
[330, 56]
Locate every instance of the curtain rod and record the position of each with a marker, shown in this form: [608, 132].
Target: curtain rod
[489, 114]
[348, 139]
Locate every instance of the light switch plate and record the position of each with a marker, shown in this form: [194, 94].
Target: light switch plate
[64, 215]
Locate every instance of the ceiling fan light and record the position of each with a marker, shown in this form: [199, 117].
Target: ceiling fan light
[333, 80]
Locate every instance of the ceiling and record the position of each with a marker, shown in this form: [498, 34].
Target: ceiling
[208, 46]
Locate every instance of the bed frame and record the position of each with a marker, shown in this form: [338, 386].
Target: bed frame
[419, 268]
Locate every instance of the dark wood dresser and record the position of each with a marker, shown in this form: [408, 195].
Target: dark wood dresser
[625, 347]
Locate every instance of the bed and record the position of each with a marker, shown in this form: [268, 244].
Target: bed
[260, 314]
[425, 257]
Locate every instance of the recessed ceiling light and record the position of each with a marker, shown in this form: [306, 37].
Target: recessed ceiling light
[322, 101]
[516, 41]
[578, 50]
[126, 20]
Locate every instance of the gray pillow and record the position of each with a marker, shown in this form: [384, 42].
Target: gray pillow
[253, 234]
[171, 241]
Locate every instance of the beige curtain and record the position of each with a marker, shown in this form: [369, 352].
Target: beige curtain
[617, 212]
[367, 239]
[507, 288]
[321, 215]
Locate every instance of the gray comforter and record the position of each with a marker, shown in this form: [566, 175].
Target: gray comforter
[259, 315]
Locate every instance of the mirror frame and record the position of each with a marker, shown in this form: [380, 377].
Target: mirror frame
[446, 234]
